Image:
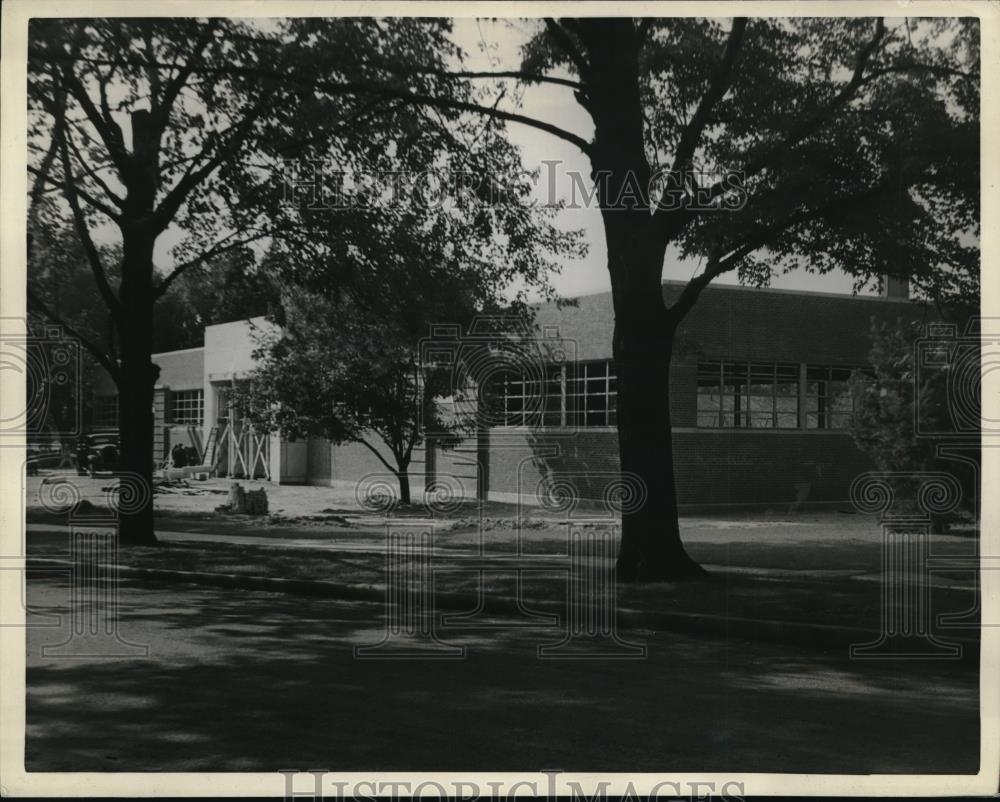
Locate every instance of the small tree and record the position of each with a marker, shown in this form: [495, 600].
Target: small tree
[342, 373]
[897, 405]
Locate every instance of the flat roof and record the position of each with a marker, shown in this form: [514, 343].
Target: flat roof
[741, 287]
[180, 351]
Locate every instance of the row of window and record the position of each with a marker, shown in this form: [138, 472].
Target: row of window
[753, 395]
[186, 406]
[584, 394]
[757, 395]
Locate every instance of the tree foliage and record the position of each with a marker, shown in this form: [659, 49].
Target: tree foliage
[857, 139]
[905, 410]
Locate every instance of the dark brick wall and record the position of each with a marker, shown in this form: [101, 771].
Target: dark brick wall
[714, 467]
[741, 323]
[745, 323]
[519, 460]
[729, 467]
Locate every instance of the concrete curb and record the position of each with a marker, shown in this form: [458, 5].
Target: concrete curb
[822, 636]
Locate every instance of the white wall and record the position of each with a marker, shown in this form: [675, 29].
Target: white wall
[229, 351]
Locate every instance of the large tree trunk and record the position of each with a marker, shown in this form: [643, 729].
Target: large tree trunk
[136, 430]
[135, 326]
[138, 376]
[651, 549]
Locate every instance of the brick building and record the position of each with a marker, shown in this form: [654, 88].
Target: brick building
[759, 405]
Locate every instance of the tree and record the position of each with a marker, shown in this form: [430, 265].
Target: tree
[758, 145]
[347, 365]
[339, 373]
[134, 143]
[923, 393]
[149, 125]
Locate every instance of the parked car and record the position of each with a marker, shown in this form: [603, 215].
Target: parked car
[97, 451]
[44, 454]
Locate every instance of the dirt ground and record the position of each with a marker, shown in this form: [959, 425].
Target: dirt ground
[812, 566]
[306, 504]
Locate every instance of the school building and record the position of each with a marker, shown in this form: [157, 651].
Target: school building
[760, 406]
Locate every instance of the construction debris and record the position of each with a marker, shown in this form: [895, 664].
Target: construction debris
[245, 502]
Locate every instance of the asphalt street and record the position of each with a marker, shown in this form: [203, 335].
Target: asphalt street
[214, 680]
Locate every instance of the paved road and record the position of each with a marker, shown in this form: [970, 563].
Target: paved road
[258, 681]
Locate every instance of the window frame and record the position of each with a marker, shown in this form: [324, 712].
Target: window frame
[735, 381]
[179, 400]
[588, 382]
[823, 413]
[576, 385]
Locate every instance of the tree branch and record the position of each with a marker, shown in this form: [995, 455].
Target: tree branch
[42, 174]
[193, 177]
[370, 447]
[527, 77]
[107, 129]
[380, 90]
[808, 127]
[216, 250]
[733, 254]
[93, 174]
[566, 44]
[112, 369]
[83, 232]
[910, 66]
[90, 199]
[458, 105]
[814, 123]
[161, 108]
[719, 84]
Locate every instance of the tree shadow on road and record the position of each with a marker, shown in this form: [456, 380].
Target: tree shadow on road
[240, 681]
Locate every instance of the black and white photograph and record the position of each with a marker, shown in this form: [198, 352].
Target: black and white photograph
[457, 401]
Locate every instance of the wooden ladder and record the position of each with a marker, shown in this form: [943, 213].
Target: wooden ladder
[211, 446]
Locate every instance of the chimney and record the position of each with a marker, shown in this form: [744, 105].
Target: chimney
[894, 288]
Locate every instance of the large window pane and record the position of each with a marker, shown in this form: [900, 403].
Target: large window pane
[709, 401]
[829, 402]
[758, 395]
[734, 391]
[581, 394]
[187, 406]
